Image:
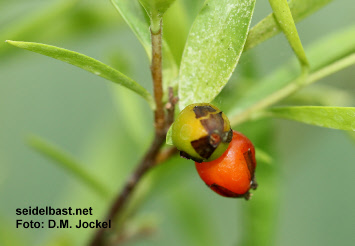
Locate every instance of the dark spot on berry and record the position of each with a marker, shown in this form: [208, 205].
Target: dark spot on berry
[201, 111]
[214, 124]
[203, 147]
[215, 139]
[188, 157]
[224, 191]
[248, 156]
[227, 136]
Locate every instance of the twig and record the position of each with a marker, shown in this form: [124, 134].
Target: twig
[165, 154]
[147, 162]
[162, 124]
[170, 107]
[157, 75]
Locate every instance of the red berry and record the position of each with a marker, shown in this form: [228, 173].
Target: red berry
[232, 174]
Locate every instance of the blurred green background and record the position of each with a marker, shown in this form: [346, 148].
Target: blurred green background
[108, 130]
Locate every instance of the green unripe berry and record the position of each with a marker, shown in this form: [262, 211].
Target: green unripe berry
[201, 132]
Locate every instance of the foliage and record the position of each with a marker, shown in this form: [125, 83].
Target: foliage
[218, 38]
[212, 51]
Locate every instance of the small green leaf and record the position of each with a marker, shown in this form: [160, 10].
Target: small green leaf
[268, 27]
[284, 19]
[87, 63]
[169, 139]
[213, 48]
[135, 16]
[69, 164]
[342, 118]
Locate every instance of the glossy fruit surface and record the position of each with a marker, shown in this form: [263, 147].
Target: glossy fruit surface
[232, 174]
[201, 132]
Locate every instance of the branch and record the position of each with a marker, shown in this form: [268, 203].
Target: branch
[157, 75]
[154, 155]
[165, 154]
[123, 197]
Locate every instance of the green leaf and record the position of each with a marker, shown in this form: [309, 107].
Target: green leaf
[67, 162]
[283, 16]
[323, 54]
[169, 139]
[268, 27]
[87, 63]
[342, 118]
[134, 15]
[213, 48]
[251, 111]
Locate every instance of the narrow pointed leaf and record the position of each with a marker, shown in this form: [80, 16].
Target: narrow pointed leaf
[134, 15]
[322, 53]
[213, 48]
[268, 27]
[87, 63]
[251, 107]
[283, 16]
[342, 118]
[68, 163]
[169, 139]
